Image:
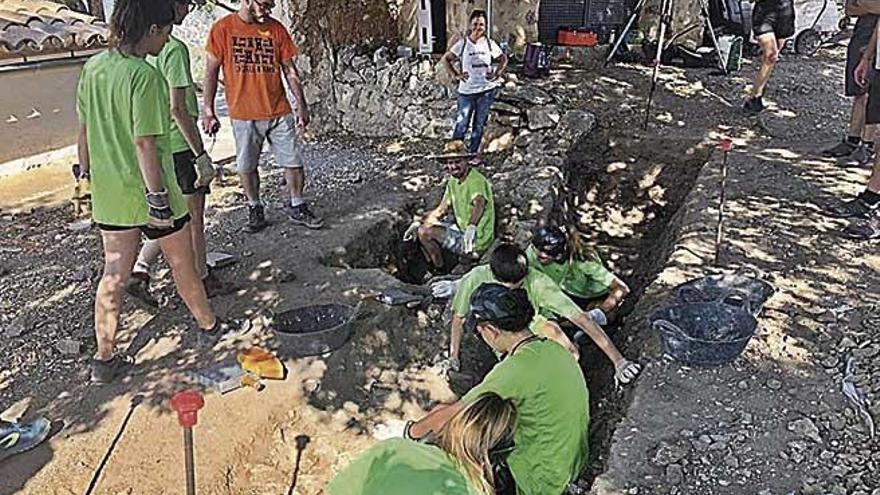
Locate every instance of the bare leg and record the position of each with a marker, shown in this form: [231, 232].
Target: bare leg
[119, 252]
[431, 240]
[196, 205]
[250, 182]
[296, 182]
[874, 181]
[857, 116]
[770, 55]
[178, 252]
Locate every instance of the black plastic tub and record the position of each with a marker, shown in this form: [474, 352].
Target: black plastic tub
[747, 292]
[313, 330]
[703, 333]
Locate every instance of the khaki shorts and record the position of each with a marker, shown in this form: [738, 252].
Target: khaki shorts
[280, 132]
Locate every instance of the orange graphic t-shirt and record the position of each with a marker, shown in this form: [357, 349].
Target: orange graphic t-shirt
[252, 57]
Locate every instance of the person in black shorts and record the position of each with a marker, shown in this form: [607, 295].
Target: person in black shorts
[858, 144]
[772, 23]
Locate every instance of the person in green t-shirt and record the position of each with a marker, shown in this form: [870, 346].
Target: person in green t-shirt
[469, 196]
[548, 389]
[455, 465]
[508, 265]
[578, 270]
[123, 109]
[192, 165]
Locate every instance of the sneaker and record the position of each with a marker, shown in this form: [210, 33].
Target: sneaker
[867, 230]
[215, 287]
[223, 329]
[139, 287]
[854, 208]
[16, 438]
[111, 370]
[256, 218]
[862, 156]
[302, 215]
[840, 150]
[754, 105]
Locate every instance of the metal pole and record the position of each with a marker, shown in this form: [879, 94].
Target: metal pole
[725, 147]
[190, 465]
[619, 40]
[665, 21]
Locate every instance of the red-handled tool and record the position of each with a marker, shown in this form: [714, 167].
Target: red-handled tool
[187, 405]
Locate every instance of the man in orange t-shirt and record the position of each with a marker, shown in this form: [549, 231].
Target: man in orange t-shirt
[254, 50]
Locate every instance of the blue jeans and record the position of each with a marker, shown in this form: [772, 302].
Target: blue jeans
[474, 107]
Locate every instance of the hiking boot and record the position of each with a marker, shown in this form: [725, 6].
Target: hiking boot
[302, 215]
[840, 150]
[16, 438]
[109, 371]
[256, 218]
[139, 287]
[754, 105]
[862, 156]
[215, 287]
[854, 208]
[866, 230]
[222, 329]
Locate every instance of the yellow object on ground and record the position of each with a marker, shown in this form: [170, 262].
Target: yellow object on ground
[262, 363]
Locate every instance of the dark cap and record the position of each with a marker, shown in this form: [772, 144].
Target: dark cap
[551, 241]
[508, 309]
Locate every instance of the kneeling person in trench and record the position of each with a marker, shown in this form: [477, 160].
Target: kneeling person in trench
[508, 265]
[458, 463]
[469, 195]
[578, 270]
[547, 388]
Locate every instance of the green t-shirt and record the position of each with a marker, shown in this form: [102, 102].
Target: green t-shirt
[546, 297]
[552, 415]
[173, 62]
[586, 279]
[461, 195]
[120, 98]
[401, 467]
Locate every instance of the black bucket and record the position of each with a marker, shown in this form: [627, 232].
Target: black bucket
[313, 330]
[703, 333]
[740, 290]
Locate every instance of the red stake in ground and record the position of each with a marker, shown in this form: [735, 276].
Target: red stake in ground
[187, 405]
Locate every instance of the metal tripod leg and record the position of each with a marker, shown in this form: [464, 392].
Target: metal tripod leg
[619, 41]
[704, 11]
[665, 21]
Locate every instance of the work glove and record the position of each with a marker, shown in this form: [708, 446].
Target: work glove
[598, 316]
[392, 429]
[626, 371]
[205, 171]
[470, 239]
[411, 231]
[160, 214]
[444, 289]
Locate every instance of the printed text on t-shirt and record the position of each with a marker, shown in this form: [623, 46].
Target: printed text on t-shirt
[253, 54]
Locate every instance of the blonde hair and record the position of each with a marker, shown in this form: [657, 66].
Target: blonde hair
[472, 433]
[580, 249]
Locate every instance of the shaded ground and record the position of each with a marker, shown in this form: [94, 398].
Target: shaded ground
[247, 442]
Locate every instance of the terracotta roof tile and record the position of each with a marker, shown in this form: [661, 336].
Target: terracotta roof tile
[38, 27]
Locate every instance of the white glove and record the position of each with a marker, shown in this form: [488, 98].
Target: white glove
[444, 289]
[626, 371]
[470, 239]
[205, 171]
[598, 316]
[411, 231]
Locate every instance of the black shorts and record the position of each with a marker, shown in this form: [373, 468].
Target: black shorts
[773, 16]
[858, 43]
[185, 169]
[150, 233]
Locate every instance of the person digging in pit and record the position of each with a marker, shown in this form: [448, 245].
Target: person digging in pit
[469, 196]
[578, 270]
[548, 389]
[457, 462]
[508, 265]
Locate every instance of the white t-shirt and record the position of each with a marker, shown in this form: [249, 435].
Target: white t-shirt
[476, 60]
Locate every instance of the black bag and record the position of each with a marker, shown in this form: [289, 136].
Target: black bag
[537, 60]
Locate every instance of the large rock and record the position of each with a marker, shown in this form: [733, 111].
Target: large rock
[528, 95]
[575, 124]
[542, 117]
